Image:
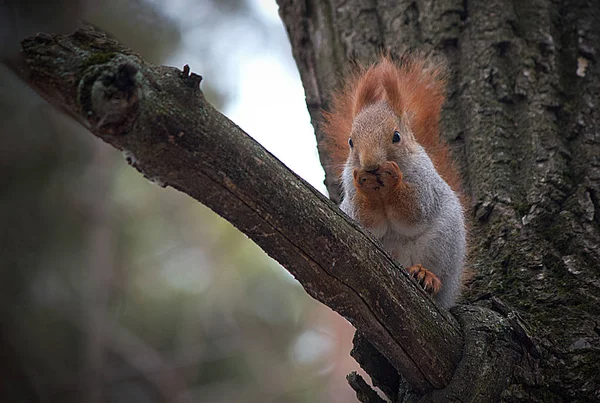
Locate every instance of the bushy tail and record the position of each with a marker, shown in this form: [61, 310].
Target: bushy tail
[414, 88]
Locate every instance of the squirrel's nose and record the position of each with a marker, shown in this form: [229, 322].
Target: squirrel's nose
[371, 161]
[371, 168]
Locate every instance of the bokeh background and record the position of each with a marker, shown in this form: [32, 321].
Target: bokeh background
[113, 289]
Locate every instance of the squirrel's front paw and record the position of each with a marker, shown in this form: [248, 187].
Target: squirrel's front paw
[367, 182]
[389, 174]
[381, 180]
[430, 282]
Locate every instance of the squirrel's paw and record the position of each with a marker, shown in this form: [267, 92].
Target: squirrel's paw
[382, 180]
[367, 182]
[429, 281]
[389, 173]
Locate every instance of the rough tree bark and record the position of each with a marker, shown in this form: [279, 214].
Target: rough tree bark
[522, 118]
[159, 118]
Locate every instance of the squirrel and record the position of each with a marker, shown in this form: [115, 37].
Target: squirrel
[398, 179]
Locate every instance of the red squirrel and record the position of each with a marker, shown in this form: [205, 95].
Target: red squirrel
[397, 176]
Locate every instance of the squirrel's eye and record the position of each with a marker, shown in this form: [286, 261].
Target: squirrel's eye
[396, 137]
[350, 142]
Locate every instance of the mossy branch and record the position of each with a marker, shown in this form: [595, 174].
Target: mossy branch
[160, 119]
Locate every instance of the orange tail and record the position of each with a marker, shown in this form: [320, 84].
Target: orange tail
[415, 88]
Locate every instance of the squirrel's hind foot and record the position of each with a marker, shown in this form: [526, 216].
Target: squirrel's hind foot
[429, 281]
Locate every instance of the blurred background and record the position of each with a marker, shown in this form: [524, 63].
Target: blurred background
[113, 289]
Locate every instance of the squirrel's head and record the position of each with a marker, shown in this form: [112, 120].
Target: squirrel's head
[378, 134]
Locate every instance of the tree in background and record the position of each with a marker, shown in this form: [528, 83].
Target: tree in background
[522, 117]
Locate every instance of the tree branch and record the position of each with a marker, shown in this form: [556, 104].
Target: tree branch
[160, 119]
[364, 393]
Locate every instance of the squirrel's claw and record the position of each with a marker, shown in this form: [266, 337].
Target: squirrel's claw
[429, 281]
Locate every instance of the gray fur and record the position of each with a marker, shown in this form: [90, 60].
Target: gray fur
[439, 241]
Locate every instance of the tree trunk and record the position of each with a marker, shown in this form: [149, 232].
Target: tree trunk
[522, 119]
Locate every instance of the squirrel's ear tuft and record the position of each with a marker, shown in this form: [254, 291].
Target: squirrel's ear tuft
[368, 89]
[390, 79]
